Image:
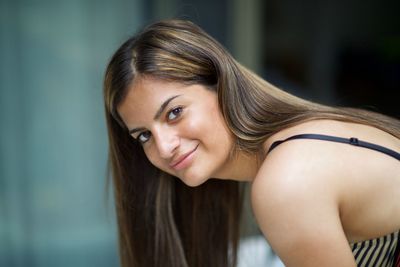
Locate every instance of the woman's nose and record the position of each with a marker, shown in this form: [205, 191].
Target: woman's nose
[167, 141]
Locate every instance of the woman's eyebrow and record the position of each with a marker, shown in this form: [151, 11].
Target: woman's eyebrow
[134, 130]
[163, 106]
[158, 113]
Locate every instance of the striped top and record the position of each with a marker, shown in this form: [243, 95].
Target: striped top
[377, 252]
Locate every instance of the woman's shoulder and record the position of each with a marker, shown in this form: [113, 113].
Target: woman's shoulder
[320, 163]
[297, 172]
[300, 160]
[297, 168]
[301, 175]
[293, 192]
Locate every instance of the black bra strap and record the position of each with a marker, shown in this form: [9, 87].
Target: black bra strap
[352, 141]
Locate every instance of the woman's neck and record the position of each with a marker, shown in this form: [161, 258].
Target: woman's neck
[242, 166]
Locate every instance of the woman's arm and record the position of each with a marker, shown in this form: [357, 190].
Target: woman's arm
[297, 209]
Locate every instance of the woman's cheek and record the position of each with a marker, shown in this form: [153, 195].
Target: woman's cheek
[192, 128]
[151, 155]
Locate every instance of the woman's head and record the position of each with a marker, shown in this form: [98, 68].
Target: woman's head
[168, 59]
[179, 127]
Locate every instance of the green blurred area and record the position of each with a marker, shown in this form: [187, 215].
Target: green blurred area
[53, 206]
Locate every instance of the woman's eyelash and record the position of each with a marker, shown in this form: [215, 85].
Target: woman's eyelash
[143, 137]
[174, 113]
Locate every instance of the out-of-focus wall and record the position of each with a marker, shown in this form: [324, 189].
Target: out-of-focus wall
[53, 147]
[338, 52]
[53, 208]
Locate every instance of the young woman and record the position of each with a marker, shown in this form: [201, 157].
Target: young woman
[187, 124]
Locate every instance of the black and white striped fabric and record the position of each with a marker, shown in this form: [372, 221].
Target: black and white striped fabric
[376, 252]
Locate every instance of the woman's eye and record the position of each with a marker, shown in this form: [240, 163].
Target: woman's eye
[144, 137]
[173, 114]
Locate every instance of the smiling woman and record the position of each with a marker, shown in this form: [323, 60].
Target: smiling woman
[180, 128]
[187, 123]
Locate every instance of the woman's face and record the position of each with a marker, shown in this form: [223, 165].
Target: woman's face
[180, 128]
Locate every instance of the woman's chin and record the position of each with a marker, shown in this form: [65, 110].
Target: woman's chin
[192, 180]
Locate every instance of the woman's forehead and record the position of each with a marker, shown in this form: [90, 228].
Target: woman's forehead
[145, 97]
[152, 91]
[149, 90]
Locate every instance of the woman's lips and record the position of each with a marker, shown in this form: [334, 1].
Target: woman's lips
[184, 160]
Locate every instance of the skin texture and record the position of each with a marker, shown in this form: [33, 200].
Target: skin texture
[285, 207]
[310, 198]
[189, 123]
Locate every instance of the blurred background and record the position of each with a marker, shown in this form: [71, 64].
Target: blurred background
[54, 210]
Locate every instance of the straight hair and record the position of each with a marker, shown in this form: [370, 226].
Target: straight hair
[161, 221]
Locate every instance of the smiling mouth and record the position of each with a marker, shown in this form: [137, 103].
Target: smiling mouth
[184, 160]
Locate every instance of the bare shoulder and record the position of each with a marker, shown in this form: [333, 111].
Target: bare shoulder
[296, 201]
[296, 173]
[310, 194]
[301, 166]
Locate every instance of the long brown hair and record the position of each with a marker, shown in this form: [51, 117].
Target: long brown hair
[161, 221]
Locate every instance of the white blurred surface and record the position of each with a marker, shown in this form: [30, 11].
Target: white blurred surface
[255, 252]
